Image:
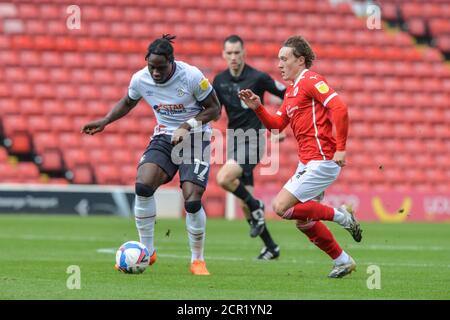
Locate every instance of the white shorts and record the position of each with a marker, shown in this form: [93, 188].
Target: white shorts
[312, 179]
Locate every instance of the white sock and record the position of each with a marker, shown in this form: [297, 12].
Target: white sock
[339, 217]
[342, 259]
[145, 215]
[196, 225]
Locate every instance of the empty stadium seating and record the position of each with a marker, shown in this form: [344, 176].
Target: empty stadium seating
[53, 80]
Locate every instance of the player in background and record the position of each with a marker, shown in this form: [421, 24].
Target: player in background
[184, 103]
[236, 175]
[311, 108]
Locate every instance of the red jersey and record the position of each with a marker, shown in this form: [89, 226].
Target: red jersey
[311, 107]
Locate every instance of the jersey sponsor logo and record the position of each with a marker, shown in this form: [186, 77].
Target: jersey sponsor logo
[313, 77]
[322, 87]
[204, 84]
[169, 109]
[290, 111]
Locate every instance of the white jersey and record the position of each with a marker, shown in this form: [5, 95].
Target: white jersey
[175, 101]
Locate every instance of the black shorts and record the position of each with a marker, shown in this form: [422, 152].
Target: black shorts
[247, 155]
[191, 158]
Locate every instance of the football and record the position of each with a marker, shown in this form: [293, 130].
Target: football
[132, 257]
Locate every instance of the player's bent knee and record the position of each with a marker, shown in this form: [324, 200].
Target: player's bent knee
[192, 192]
[226, 177]
[279, 208]
[143, 190]
[193, 206]
[220, 178]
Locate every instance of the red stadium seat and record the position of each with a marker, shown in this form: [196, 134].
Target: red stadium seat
[45, 140]
[27, 171]
[44, 91]
[107, 174]
[51, 160]
[14, 123]
[75, 157]
[128, 174]
[20, 143]
[3, 155]
[38, 123]
[8, 173]
[82, 175]
[15, 74]
[60, 124]
[29, 11]
[92, 13]
[101, 156]
[56, 80]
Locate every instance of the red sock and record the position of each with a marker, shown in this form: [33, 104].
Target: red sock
[309, 210]
[321, 236]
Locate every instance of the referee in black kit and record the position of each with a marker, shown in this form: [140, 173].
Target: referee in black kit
[246, 146]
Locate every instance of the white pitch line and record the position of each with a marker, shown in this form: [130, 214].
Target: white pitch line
[292, 261]
[175, 256]
[390, 264]
[396, 247]
[372, 247]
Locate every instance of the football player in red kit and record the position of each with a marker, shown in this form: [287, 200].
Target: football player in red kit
[311, 108]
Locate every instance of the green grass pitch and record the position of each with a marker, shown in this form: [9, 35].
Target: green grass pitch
[35, 252]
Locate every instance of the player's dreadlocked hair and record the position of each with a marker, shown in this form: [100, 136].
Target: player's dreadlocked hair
[300, 48]
[162, 46]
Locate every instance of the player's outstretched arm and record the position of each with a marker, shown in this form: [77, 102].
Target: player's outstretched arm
[120, 109]
[250, 98]
[278, 121]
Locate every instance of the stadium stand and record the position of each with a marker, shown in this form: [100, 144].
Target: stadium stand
[54, 80]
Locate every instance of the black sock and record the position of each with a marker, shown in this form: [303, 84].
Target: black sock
[242, 193]
[267, 239]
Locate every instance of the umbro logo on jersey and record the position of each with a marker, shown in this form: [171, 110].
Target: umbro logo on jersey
[180, 92]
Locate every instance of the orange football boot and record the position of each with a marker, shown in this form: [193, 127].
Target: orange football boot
[152, 259]
[198, 268]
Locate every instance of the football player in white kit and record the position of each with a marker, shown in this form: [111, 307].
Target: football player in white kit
[184, 103]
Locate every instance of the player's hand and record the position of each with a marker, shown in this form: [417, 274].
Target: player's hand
[339, 158]
[94, 127]
[250, 98]
[180, 134]
[278, 137]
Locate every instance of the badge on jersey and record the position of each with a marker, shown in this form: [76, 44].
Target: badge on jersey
[322, 87]
[204, 84]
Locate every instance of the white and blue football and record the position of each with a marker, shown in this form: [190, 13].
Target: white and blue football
[132, 257]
